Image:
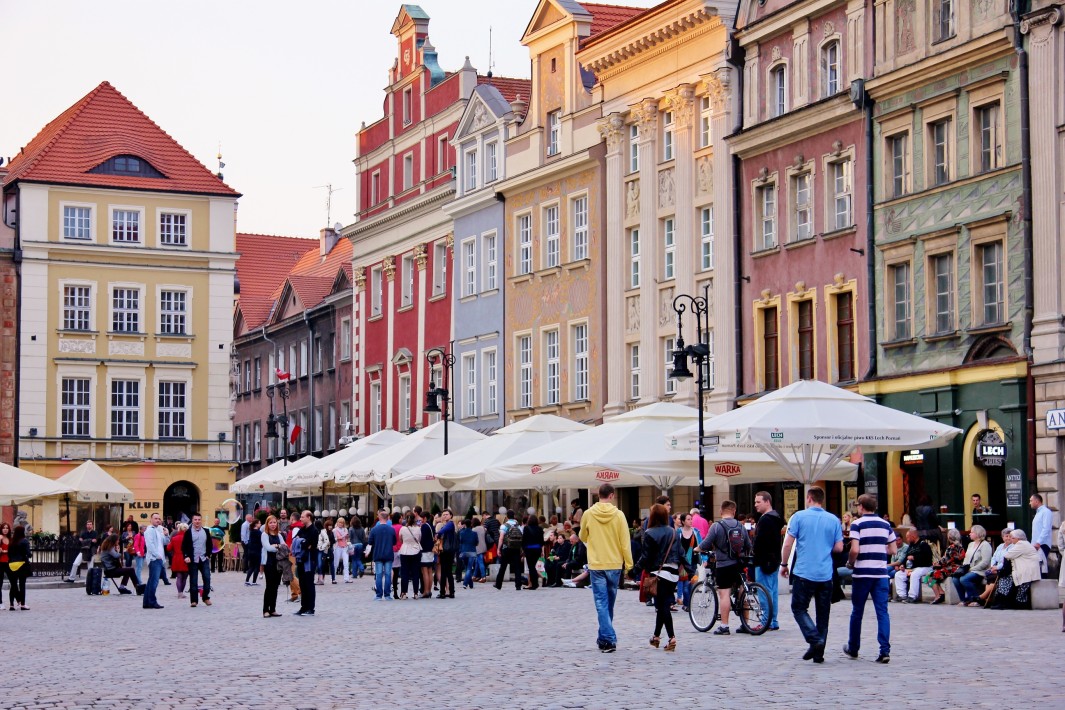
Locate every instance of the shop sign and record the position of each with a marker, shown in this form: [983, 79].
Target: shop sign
[1056, 419]
[607, 475]
[912, 457]
[727, 469]
[145, 505]
[991, 449]
[1014, 484]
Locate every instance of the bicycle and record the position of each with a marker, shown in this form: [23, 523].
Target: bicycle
[750, 601]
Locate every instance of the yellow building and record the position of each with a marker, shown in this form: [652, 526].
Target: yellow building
[126, 252]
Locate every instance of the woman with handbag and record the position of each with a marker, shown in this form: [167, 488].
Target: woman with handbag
[179, 566]
[410, 555]
[271, 539]
[326, 541]
[662, 562]
[18, 556]
[947, 565]
[5, 544]
[689, 540]
[968, 578]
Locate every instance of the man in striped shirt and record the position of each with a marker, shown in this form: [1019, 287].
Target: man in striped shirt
[872, 544]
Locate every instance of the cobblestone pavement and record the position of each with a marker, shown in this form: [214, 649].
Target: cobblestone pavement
[76, 651]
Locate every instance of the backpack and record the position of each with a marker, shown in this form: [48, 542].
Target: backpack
[736, 537]
[514, 537]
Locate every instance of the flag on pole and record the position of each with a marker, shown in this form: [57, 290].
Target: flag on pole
[282, 376]
[296, 431]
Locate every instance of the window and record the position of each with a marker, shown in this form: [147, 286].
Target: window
[525, 371]
[293, 364]
[900, 288]
[345, 338]
[171, 410]
[304, 357]
[580, 362]
[706, 238]
[304, 434]
[491, 161]
[670, 384]
[992, 286]
[669, 248]
[469, 373]
[554, 123]
[126, 226]
[247, 376]
[987, 146]
[770, 355]
[800, 194]
[709, 369]
[667, 135]
[778, 91]
[375, 187]
[525, 244]
[840, 184]
[471, 170]
[345, 418]
[551, 355]
[126, 165]
[77, 307]
[375, 407]
[173, 229]
[77, 222]
[125, 310]
[899, 161]
[634, 371]
[943, 19]
[706, 117]
[408, 171]
[939, 136]
[376, 291]
[439, 268]
[490, 262]
[580, 228]
[805, 322]
[551, 238]
[845, 336]
[319, 355]
[257, 367]
[941, 267]
[469, 267]
[404, 403]
[256, 442]
[172, 312]
[238, 432]
[830, 68]
[406, 275]
[634, 257]
[125, 408]
[408, 100]
[491, 397]
[767, 216]
[75, 407]
[272, 366]
[442, 163]
[634, 148]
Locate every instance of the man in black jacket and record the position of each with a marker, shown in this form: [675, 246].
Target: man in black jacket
[918, 563]
[196, 549]
[767, 543]
[307, 563]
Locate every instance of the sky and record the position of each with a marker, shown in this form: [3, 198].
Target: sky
[282, 87]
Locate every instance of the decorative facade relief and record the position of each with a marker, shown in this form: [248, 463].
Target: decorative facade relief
[681, 102]
[76, 451]
[359, 276]
[717, 86]
[667, 194]
[420, 257]
[84, 347]
[632, 198]
[172, 452]
[480, 117]
[905, 40]
[982, 10]
[666, 314]
[388, 265]
[125, 347]
[174, 349]
[632, 314]
[704, 175]
[645, 115]
[612, 128]
[125, 451]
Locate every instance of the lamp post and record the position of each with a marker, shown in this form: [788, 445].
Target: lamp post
[274, 421]
[434, 394]
[699, 353]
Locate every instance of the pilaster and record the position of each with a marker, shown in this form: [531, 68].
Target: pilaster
[682, 103]
[650, 359]
[612, 129]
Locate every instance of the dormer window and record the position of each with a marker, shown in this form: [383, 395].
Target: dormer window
[127, 165]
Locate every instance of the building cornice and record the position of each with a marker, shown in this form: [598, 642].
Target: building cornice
[550, 171]
[935, 67]
[810, 120]
[780, 20]
[474, 201]
[371, 226]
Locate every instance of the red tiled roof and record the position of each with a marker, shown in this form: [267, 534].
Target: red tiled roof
[264, 262]
[312, 263]
[311, 290]
[255, 310]
[100, 126]
[510, 88]
[605, 17]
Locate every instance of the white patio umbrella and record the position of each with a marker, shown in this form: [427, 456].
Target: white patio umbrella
[337, 466]
[18, 486]
[464, 469]
[92, 484]
[415, 449]
[625, 451]
[266, 480]
[808, 427]
[296, 477]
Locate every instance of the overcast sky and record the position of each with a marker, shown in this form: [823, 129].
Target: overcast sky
[282, 86]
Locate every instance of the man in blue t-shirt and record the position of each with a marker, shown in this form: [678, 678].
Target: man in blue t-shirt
[873, 542]
[815, 534]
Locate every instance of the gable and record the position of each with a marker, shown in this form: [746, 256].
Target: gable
[288, 304]
[477, 116]
[550, 13]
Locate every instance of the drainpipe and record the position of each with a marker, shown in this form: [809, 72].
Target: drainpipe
[310, 370]
[862, 100]
[735, 57]
[17, 259]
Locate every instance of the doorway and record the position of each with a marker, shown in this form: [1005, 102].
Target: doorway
[180, 498]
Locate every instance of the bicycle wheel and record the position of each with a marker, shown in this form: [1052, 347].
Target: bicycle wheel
[702, 609]
[755, 608]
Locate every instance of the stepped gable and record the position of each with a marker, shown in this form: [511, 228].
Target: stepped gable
[102, 125]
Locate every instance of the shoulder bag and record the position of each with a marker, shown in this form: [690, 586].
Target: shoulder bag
[649, 582]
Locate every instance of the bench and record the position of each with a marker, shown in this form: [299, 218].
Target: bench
[1044, 594]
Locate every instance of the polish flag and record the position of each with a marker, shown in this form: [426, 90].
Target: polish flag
[282, 376]
[296, 430]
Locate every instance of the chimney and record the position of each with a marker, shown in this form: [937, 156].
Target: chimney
[519, 107]
[327, 239]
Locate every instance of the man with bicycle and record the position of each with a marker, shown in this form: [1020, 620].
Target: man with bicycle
[728, 542]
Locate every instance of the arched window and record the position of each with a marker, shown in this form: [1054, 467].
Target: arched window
[830, 68]
[778, 90]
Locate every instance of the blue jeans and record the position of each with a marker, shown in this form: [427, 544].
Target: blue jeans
[771, 582]
[382, 573]
[684, 590]
[195, 568]
[138, 564]
[802, 592]
[325, 564]
[969, 586]
[604, 584]
[155, 571]
[356, 559]
[879, 588]
[470, 560]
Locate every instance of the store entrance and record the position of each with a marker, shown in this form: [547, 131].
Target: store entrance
[181, 498]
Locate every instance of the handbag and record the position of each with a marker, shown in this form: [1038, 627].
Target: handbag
[961, 571]
[649, 582]
[438, 546]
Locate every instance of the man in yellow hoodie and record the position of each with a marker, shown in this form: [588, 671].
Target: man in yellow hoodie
[606, 533]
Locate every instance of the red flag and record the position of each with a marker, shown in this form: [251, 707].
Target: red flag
[282, 376]
[295, 434]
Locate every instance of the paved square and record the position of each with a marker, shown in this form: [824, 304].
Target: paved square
[75, 651]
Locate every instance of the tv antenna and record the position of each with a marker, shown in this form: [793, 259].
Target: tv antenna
[490, 62]
[328, 199]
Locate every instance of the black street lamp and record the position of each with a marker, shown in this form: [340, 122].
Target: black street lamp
[700, 356]
[434, 394]
[279, 420]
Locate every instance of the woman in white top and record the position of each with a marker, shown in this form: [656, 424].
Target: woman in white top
[410, 554]
[340, 550]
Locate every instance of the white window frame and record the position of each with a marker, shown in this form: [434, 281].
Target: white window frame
[442, 146]
[469, 377]
[525, 370]
[305, 352]
[489, 366]
[408, 171]
[125, 416]
[579, 214]
[777, 101]
[81, 311]
[942, 286]
[405, 418]
[580, 362]
[75, 406]
[469, 169]
[634, 257]
[80, 221]
[406, 280]
[634, 371]
[634, 148]
[840, 175]
[408, 105]
[439, 268]
[943, 29]
[491, 161]
[906, 300]
[766, 205]
[706, 237]
[669, 248]
[375, 187]
[345, 339]
[172, 418]
[166, 233]
[802, 202]
[490, 244]
[180, 321]
[667, 136]
[981, 287]
[469, 267]
[554, 129]
[377, 280]
[525, 248]
[706, 122]
[553, 367]
[375, 407]
[670, 385]
[946, 124]
[257, 442]
[552, 237]
[831, 67]
[127, 211]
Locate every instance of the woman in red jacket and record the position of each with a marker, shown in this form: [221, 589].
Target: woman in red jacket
[178, 566]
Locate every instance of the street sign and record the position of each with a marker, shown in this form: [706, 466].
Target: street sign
[711, 440]
[1056, 419]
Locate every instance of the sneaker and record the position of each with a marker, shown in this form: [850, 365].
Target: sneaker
[847, 652]
[883, 658]
[123, 590]
[608, 647]
[742, 630]
[569, 583]
[70, 580]
[722, 631]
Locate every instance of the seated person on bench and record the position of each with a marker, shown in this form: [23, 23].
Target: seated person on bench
[111, 559]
